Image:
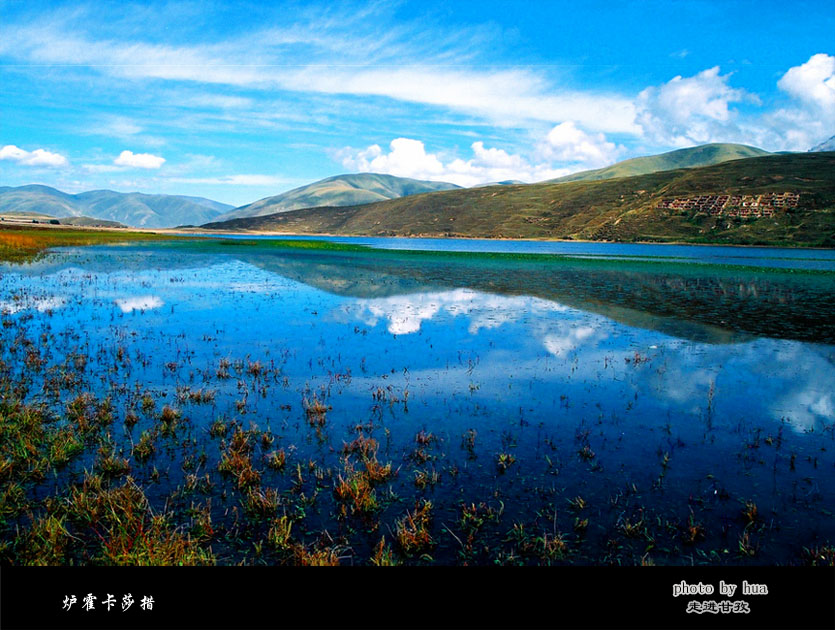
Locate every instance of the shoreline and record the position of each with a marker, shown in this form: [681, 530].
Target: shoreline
[199, 231]
[483, 238]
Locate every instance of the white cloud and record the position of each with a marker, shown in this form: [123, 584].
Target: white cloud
[404, 314]
[573, 148]
[216, 101]
[567, 143]
[101, 168]
[138, 160]
[336, 60]
[570, 338]
[505, 97]
[692, 110]
[233, 180]
[139, 303]
[114, 126]
[811, 117]
[38, 157]
[812, 83]
[407, 158]
[42, 304]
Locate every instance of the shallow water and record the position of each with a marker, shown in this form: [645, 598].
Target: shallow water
[658, 389]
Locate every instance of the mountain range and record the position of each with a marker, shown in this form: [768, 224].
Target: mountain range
[615, 209]
[134, 209]
[350, 190]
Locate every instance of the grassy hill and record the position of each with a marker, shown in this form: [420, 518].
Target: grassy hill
[135, 209]
[704, 155]
[340, 190]
[19, 217]
[622, 209]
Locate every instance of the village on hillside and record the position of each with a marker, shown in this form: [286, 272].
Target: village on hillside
[734, 205]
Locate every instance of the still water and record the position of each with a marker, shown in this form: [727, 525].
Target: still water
[666, 386]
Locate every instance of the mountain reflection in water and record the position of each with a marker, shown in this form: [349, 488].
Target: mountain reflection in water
[704, 303]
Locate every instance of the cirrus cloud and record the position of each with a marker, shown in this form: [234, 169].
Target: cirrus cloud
[234, 180]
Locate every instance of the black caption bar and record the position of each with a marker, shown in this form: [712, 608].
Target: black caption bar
[417, 597]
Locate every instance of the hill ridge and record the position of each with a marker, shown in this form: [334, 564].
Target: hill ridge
[621, 209]
[339, 190]
[690, 157]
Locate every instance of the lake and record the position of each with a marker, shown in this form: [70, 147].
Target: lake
[438, 401]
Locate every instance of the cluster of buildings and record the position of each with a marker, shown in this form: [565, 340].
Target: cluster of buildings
[734, 205]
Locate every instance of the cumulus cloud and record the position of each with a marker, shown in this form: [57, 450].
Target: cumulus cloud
[570, 338]
[813, 82]
[691, 110]
[139, 303]
[38, 157]
[404, 314]
[567, 143]
[406, 158]
[699, 109]
[138, 160]
[811, 117]
[569, 146]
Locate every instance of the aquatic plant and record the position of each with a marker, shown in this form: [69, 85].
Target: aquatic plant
[412, 530]
[277, 459]
[504, 460]
[279, 533]
[819, 556]
[261, 503]
[383, 555]
[355, 490]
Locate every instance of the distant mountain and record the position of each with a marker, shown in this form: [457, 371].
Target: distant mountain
[134, 209]
[506, 182]
[340, 190]
[620, 209]
[207, 203]
[826, 145]
[703, 155]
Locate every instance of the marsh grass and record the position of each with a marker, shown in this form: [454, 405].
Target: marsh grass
[413, 530]
[383, 555]
[25, 244]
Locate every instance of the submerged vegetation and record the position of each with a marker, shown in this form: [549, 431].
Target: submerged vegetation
[141, 434]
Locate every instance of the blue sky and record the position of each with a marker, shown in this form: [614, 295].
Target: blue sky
[236, 101]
